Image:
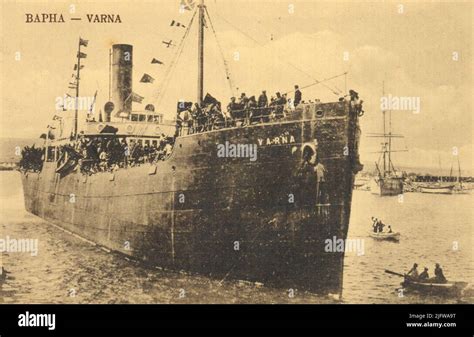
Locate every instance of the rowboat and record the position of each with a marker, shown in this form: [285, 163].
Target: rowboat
[429, 287]
[448, 288]
[395, 236]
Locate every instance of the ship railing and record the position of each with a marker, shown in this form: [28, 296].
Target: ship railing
[241, 117]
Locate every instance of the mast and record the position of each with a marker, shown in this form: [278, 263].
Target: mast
[389, 140]
[384, 135]
[77, 87]
[459, 172]
[110, 74]
[201, 9]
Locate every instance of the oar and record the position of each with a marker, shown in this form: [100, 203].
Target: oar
[394, 273]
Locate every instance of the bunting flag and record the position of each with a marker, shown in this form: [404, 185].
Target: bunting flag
[177, 24]
[137, 98]
[75, 66]
[81, 55]
[188, 4]
[155, 61]
[83, 42]
[147, 79]
[168, 43]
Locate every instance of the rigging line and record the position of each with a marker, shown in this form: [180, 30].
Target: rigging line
[226, 66]
[319, 82]
[288, 62]
[163, 84]
[171, 67]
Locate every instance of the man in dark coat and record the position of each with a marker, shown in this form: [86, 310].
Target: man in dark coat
[297, 99]
[263, 100]
[439, 276]
[424, 275]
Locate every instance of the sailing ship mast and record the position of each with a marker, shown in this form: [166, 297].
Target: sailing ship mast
[385, 154]
[200, 86]
[77, 88]
[384, 148]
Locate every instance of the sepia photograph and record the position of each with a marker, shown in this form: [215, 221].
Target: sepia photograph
[301, 152]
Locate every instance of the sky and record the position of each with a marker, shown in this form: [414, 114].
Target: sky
[414, 49]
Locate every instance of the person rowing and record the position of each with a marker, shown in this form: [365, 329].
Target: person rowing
[413, 273]
[424, 275]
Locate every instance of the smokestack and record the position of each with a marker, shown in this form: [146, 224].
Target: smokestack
[121, 90]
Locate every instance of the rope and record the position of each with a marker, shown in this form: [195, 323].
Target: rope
[164, 84]
[287, 62]
[229, 80]
[320, 82]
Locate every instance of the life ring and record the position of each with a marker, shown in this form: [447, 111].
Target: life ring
[130, 128]
[157, 130]
[100, 126]
[309, 152]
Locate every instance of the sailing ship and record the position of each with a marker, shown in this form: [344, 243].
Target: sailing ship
[387, 181]
[231, 218]
[449, 187]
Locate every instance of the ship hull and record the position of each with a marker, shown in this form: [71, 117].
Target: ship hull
[390, 186]
[437, 190]
[266, 220]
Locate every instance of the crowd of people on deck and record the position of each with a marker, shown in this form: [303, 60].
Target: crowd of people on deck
[100, 154]
[104, 153]
[245, 110]
[413, 274]
[242, 111]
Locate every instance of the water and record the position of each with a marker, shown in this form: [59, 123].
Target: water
[69, 270]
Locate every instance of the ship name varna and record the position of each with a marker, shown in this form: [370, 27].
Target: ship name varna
[278, 140]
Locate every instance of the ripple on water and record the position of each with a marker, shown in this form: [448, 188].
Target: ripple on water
[68, 270]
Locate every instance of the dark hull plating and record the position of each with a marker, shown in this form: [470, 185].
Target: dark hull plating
[225, 217]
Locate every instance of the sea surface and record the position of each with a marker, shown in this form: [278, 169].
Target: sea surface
[434, 229]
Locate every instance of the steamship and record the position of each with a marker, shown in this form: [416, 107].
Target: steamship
[226, 217]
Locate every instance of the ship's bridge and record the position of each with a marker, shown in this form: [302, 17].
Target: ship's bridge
[139, 124]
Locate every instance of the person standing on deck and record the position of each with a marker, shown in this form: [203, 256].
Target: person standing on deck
[263, 100]
[298, 95]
